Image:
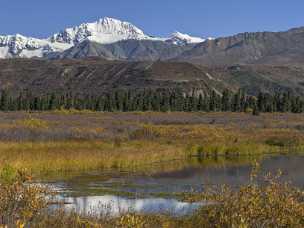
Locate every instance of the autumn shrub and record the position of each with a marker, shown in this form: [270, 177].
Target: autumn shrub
[20, 202]
[272, 203]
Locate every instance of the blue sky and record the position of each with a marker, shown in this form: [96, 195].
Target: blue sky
[156, 17]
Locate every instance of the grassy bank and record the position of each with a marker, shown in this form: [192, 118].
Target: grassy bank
[61, 157]
[45, 157]
[135, 155]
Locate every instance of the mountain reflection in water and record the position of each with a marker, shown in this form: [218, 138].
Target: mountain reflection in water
[115, 205]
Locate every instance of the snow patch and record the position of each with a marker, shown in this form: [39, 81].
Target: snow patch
[178, 38]
[4, 52]
[209, 76]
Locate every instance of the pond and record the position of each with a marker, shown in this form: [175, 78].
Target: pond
[114, 193]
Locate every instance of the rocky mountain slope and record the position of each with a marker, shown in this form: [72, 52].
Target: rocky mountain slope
[130, 50]
[250, 48]
[97, 76]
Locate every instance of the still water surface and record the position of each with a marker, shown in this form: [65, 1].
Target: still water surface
[117, 193]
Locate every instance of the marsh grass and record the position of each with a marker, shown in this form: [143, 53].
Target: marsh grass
[51, 142]
[152, 144]
[41, 158]
[46, 157]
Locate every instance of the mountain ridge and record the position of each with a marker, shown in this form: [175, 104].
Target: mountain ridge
[250, 48]
[103, 31]
[256, 62]
[118, 40]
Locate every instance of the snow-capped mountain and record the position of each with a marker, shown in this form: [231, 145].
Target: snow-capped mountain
[27, 47]
[104, 31]
[178, 38]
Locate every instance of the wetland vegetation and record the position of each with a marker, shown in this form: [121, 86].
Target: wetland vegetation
[44, 145]
[78, 141]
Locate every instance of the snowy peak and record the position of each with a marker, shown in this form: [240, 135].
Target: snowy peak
[114, 26]
[16, 43]
[105, 30]
[184, 39]
[26, 47]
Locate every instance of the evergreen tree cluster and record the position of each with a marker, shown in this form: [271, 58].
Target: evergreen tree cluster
[154, 100]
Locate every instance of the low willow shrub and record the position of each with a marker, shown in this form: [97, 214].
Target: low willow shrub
[20, 202]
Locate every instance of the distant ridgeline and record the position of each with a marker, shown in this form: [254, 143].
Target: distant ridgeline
[153, 100]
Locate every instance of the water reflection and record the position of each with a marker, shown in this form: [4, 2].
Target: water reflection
[88, 191]
[115, 205]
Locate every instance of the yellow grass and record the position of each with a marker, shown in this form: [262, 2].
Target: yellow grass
[43, 157]
[46, 157]
[71, 111]
[32, 123]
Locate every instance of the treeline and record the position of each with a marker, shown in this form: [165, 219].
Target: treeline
[153, 100]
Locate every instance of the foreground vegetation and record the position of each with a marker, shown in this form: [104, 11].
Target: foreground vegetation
[270, 204]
